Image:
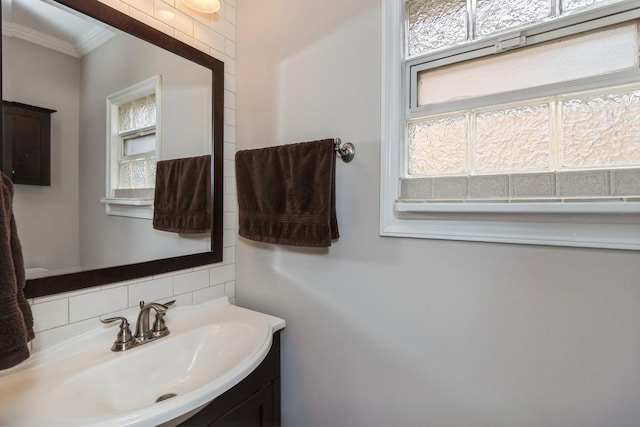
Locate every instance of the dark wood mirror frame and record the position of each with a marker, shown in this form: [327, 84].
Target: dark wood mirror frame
[84, 279]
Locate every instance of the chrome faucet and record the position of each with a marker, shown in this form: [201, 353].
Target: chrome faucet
[144, 334]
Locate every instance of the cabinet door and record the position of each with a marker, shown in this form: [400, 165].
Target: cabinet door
[26, 143]
[256, 411]
[253, 402]
[31, 148]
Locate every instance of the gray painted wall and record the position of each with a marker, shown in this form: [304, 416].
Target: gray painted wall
[401, 332]
[47, 216]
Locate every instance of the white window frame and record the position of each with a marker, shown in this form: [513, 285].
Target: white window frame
[135, 208]
[614, 225]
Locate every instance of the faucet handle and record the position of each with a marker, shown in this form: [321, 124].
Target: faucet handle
[124, 339]
[159, 328]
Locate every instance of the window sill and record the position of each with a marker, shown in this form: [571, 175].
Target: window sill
[133, 208]
[613, 225]
[567, 206]
[130, 202]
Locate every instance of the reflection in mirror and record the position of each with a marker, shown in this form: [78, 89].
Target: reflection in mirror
[70, 237]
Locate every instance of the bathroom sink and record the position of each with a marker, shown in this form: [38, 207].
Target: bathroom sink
[81, 382]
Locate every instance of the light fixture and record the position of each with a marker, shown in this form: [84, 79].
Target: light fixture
[203, 6]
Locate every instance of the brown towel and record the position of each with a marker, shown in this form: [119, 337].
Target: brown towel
[286, 194]
[182, 202]
[16, 320]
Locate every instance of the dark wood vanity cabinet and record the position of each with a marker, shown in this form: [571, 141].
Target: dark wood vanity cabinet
[26, 146]
[254, 402]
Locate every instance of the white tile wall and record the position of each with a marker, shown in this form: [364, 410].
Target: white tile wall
[192, 281]
[50, 314]
[61, 316]
[82, 307]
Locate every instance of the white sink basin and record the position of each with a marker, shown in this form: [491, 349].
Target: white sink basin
[81, 382]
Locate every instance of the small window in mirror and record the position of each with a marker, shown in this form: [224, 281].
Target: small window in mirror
[133, 147]
[137, 164]
[139, 145]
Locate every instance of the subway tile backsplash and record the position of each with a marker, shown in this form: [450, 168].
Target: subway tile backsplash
[82, 307]
[58, 317]
[50, 314]
[191, 281]
[155, 289]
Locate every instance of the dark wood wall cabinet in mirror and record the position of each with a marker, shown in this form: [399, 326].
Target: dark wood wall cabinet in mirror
[26, 143]
[87, 278]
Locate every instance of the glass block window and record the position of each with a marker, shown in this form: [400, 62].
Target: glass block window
[136, 123]
[438, 24]
[137, 114]
[600, 130]
[568, 132]
[511, 121]
[568, 5]
[133, 145]
[506, 101]
[493, 16]
[448, 16]
[513, 139]
[137, 167]
[438, 146]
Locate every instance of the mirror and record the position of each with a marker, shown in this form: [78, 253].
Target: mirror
[192, 88]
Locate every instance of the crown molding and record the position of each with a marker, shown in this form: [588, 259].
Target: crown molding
[84, 45]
